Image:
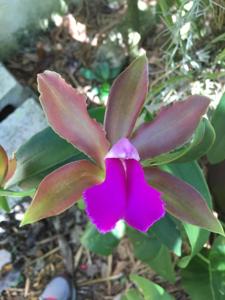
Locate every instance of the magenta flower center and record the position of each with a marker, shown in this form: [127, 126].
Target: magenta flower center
[124, 194]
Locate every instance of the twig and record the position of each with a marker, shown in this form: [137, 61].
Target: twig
[99, 280]
[78, 256]
[27, 287]
[45, 255]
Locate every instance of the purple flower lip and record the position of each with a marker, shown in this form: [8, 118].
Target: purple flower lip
[124, 194]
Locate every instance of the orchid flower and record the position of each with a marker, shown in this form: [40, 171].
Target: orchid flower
[113, 182]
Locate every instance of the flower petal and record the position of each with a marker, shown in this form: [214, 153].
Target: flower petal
[126, 99]
[183, 201]
[171, 128]
[105, 202]
[61, 189]
[144, 206]
[3, 164]
[123, 149]
[67, 114]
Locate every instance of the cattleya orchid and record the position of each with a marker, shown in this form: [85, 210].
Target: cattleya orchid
[113, 182]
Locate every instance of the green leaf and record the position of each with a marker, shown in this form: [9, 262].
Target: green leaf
[87, 74]
[196, 280]
[163, 265]
[145, 246]
[217, 268]
[192, 174]
[4, 204]
[102, 244]
[132, 294]
[167, 232]
[44, 153]
[217, 153]
[202, 142]
[150, 290]
[103, 71]
[150, 250]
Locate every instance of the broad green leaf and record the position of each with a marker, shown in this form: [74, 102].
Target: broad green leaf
[195, 279]
[102, 244]
[192, 174]
[132, 294]
[4, 204]
[66, 111]
[42, 154]
[202, 142]
[61, 189]
[145, 246]
[150, 290]
[3, 164]
[126, 100]
[183, 201]
[217, 268]
[150, 250]
[217, 153]
[162, 264]
[168, 233]
[172, 127]
[38, 156]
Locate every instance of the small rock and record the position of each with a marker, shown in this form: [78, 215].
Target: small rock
[21, 125]
[11, 92]
[5, 258]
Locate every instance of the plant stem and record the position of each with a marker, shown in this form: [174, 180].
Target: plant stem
[17, 193]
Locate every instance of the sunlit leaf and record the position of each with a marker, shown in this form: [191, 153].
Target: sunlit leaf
[4, 204]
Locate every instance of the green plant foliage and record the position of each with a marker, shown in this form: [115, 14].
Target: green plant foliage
[168, 233]
[102, 244]
[192, 174]
[150, 290]
[204, 278]
[132, 294]
[4, 204]
[217, 268]
[196, 280]
[217, 153]
[150, 250]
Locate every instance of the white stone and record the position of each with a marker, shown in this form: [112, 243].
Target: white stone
[11, 92]
[21, 125]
